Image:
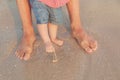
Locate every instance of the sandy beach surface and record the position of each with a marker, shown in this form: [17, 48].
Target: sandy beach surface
[100, 18]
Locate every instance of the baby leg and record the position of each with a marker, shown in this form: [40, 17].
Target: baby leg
[43, 31]
[53, 34]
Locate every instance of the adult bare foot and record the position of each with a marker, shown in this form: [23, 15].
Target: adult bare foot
[85, 41]
[25, 48]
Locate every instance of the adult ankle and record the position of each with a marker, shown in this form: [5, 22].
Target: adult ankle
[76, 26]
[76, 30]
[29, 36]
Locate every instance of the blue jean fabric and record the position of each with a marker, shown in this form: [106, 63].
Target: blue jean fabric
[45, 14]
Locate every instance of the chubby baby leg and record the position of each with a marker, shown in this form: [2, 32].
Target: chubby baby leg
[53, 34]
[43, 31]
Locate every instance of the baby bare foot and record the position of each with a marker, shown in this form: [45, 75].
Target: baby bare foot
[58, 42]
[25, 48]
[85, 41]
[49, 47]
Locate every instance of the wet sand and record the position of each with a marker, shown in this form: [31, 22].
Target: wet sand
[101, 19]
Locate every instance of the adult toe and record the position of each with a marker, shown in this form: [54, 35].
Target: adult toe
[93, 45]
[27, 55]
[88, 50]
[86, 47]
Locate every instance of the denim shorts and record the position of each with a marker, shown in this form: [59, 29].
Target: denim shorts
[45, 14]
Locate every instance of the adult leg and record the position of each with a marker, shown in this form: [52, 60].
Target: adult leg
[84, 40]
[26, 46]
